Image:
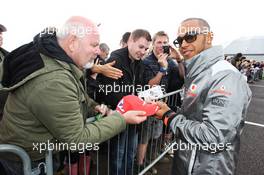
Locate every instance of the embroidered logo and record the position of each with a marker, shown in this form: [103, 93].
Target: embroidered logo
[219, 102]
[120, 106]
[192, 91]
[222, 90]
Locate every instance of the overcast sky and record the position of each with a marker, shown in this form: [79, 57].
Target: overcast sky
[229, 20]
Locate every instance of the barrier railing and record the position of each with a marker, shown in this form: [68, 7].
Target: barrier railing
[26, 162]
[98, 162]
[157, 148]
[19, 152]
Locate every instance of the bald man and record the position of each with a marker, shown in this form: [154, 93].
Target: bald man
[48, 102]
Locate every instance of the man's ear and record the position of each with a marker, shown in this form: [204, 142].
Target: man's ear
[72, 43]
[209, 37]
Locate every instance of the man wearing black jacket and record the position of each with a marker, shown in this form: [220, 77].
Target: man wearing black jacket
[128, 59]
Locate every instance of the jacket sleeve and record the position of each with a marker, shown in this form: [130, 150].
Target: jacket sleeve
[89, 111]
[222, 114]
[56, 105]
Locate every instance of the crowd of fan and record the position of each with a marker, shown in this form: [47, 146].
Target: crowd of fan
[250, 68]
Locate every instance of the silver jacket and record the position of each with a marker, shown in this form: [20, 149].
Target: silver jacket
[209, 125]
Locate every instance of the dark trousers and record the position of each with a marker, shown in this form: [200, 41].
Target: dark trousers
[123, 148]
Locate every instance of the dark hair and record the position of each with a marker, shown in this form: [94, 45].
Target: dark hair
[202, 22]
[160, 33]
[138, 33]
[237, 57]
[125, 37]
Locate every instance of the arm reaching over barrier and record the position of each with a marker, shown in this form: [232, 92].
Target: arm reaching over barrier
[134, 117]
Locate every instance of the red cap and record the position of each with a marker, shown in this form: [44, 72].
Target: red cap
[132, 102]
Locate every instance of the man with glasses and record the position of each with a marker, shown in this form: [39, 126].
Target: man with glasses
[216, 98]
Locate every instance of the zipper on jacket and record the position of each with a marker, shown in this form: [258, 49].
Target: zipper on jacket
[134, 84]
[192, 161]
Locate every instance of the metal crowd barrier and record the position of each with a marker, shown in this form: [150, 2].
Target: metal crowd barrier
[26, 162]
[95, 162]
[157, 148]
[98, 162]
[21, 153]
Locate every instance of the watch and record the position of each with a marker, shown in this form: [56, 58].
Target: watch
[180, 61]
[163, 70]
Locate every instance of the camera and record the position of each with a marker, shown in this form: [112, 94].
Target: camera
[166, 49]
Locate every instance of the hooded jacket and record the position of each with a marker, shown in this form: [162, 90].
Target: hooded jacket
[212, 117]
[47, 101]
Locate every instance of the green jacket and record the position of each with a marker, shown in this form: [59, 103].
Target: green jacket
[51, 104]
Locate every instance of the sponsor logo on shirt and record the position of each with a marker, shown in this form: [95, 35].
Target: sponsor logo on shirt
[192, 91]
[219, 102]
[222, 90]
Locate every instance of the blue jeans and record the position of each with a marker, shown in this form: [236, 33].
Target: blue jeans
[122, 151]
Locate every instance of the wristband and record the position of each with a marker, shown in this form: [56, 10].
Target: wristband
[98, 117]
[168, 116]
